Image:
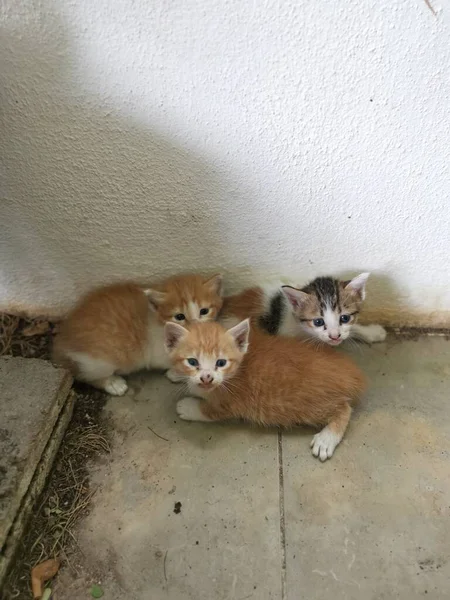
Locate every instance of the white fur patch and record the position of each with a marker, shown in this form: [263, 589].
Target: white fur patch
[188, 409]
[91, 368]
[333, 328]
[115, 385]
[193, 311]
[156, 356]
[324, 443]
[369, 333]
[174, 377]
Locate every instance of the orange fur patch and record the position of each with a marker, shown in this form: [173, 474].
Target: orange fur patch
[248, 303]
[109, 323]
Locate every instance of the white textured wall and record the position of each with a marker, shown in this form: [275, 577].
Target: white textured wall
[141, 138]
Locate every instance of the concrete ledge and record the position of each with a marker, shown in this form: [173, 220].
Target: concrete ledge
[36, 406]
[404, 317]
[389, 316]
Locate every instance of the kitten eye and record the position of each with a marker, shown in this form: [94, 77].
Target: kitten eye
[221, 362]
[180, 317]
[318, 322]
[193, 362]
[204, 311]
[344, 318]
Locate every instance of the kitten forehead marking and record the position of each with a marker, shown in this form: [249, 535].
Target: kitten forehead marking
[193, 311]
[327, 292]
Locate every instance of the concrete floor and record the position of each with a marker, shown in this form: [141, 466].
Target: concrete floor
[259, 517]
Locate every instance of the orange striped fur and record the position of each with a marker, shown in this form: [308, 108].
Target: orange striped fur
[118, 329]
[280, 381]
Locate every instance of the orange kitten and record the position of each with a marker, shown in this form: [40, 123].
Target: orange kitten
[119, 328]
[279, 381]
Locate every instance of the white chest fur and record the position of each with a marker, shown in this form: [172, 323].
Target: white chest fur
[156, 356]
[289, 325]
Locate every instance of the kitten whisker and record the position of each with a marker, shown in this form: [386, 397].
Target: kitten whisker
[233, 389]
[183, 390]
[354, 344]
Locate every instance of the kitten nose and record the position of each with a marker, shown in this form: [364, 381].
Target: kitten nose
[335, 338]
[206, 378]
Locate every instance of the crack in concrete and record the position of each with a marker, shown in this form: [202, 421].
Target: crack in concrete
[282, 515]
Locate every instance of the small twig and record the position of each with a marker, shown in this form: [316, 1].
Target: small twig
[157, 435]
[165, 558]
[428, 3]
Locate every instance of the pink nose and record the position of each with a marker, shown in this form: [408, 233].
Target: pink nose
[206, 378]
[335, 338]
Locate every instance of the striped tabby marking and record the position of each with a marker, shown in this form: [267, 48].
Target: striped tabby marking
[271, 321]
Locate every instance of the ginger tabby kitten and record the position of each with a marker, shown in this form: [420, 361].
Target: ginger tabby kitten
[268, 380]
[118, 329]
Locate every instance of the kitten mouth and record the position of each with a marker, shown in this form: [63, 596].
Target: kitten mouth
[334, 342]
[206, 386]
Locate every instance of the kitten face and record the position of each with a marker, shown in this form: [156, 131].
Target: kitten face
[187, 299]
[327, 308]
[207, 354]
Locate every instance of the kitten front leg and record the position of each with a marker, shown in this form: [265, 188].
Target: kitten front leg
[113, 385]
[190, 409]
[324, 443]
[193, 409]
[369, 333]
[174, 377]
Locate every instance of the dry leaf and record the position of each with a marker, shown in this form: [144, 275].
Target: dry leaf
[42, 573]
[38, 328]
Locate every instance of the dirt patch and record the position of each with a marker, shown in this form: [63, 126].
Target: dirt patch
[30, 338]
[68, 493]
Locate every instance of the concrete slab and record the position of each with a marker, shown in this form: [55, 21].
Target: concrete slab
[22, 518]
[186, 511]
[32, 394]
[373, 523]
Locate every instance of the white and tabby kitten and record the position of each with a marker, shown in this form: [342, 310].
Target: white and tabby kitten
[326, 309]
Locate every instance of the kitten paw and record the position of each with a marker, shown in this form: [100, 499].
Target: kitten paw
[375, 333]
[369, 333]
[115, 385]
[173, 376]
[189, 409]
[324, 444]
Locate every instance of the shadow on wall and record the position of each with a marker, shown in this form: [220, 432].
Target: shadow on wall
[90, 195]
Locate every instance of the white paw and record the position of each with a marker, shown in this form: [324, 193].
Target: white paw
[188, 409]
[116, 386]
[324, 443]
[174, 377]
[376, 333]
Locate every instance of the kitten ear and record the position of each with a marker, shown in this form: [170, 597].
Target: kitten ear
[357, 285]
[240, 333]
[214, 284]
[155, 298]
[173, 334]
[296, 297]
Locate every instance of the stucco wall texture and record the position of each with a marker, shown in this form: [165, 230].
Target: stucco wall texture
[264, 138]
